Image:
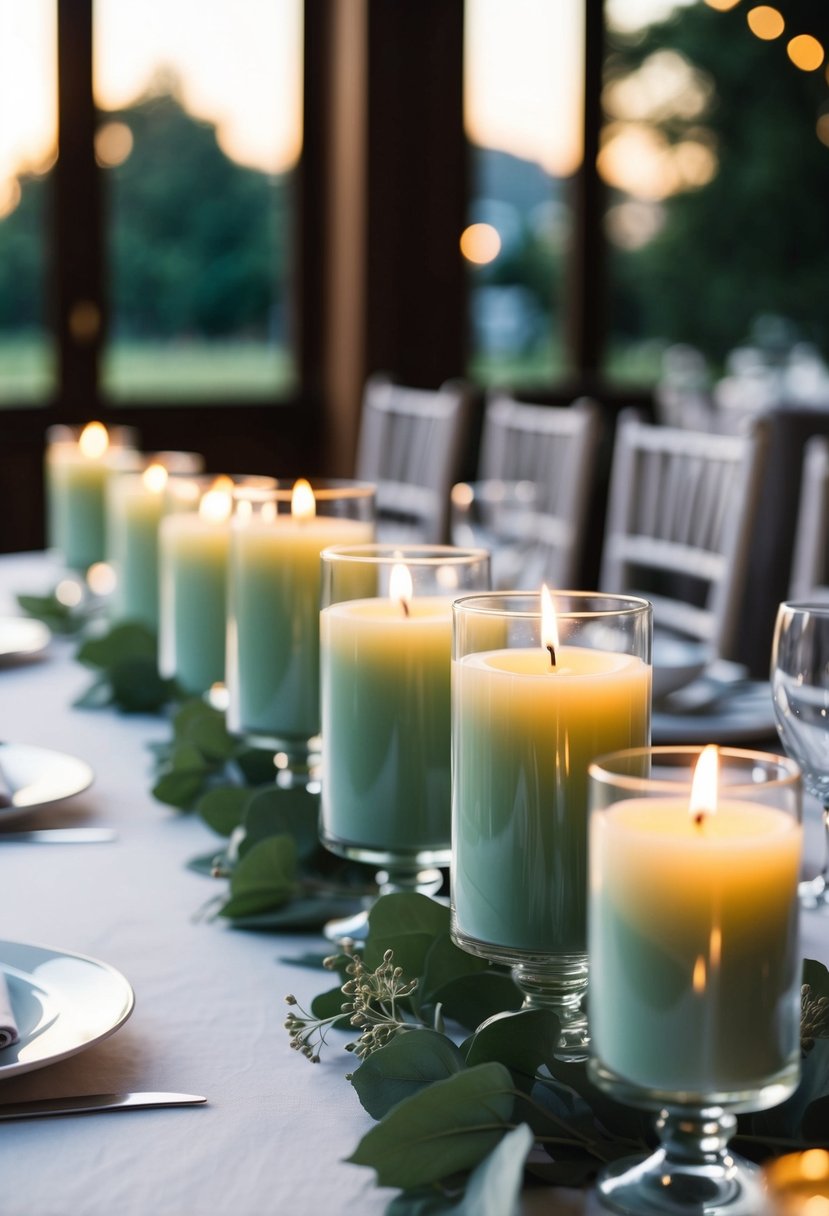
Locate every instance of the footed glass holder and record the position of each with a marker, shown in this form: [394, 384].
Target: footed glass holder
[693, 940]
[385, 666]
[538, 691]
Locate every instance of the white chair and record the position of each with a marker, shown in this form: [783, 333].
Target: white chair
[411, 442]
[810, 561]
[536, 473]
[680, 515]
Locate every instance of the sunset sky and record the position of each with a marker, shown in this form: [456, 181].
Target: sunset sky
[240, 64]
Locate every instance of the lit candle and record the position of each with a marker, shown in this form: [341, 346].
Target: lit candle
[76, 477]
[386, 665]
[193, 549]
[274, 603]
[527, 722]
[693, 936]
[135, 505]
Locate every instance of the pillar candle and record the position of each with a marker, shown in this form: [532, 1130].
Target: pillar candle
[386, 722]
[693, 943]
[76, 479]
[135, 506]
[273, 632]
[525, 733]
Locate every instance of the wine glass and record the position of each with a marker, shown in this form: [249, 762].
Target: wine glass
[800, 689]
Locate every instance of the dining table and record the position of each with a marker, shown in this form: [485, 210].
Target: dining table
[275, 1131]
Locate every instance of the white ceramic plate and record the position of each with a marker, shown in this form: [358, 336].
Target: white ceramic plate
[746, 715]
[34, 776]
[676, 663]
[63, 1003]
[20, 636]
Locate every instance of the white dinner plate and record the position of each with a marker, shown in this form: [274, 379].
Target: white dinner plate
[746, 715]
[20, 636]
[676, 662]
[31, 777]
[63, 1003]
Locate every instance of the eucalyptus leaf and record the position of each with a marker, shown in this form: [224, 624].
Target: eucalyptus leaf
[60, 618]
[407, 1063]
[265, 878]
[299, 913]
[471, 999]
[407, 923]
[137, 687]
[207, 731]
[180, 788]
[523, 1041]
[222, 808]
[97, 696]
[272, 811]
[445, 962]
[449, 1126]
[130, 640]
[255, 765]
[817, 977]
[784, 1121]
[204, 864]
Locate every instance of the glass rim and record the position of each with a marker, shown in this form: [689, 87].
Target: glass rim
[325, 489]
[381, 553]
[818, 607]
[617, 605]
[599, 770]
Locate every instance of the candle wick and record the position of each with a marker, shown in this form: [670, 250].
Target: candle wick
[404, 605]
[699, 819]
[552, 651]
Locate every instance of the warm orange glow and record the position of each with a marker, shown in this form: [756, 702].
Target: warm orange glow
[155, 478]
[94, 441]
[303, 503]
[549, 625]
[814, 1164]
[703, 800]
[699, 978]
[822, 128]
[765, 22]
[722, 6]
[401, 588]
[113, 144]
[10, 194]
[480, 243]
[217, 504]
[805, 52]
[715, 946]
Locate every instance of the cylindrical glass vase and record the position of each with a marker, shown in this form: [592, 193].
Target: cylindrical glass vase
[693, 942]
[530, 713]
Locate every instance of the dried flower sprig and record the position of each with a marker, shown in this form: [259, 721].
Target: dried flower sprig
[371, 1003]
[814, 1018]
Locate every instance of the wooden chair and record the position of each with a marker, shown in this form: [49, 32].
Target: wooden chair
[680, 515]
[550, 452]
[410, 444]
[810, 561]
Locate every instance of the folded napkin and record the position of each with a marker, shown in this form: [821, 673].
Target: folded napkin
[8, 1024]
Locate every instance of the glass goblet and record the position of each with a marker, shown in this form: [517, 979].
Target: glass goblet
[800, 688]
[385, 664]
[695, 989]
[527, 719]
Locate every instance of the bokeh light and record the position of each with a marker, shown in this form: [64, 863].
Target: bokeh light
[765, 22]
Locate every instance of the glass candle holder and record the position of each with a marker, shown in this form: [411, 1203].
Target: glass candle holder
[193, 543]
[136, 501]
[693, 942]
[78, 463]
[276, 538]
[529, 713]
[386, 642]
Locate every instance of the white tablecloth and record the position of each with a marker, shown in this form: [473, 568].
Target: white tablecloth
[209, 1000]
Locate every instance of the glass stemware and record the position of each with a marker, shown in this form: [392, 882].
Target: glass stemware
[693, 940]
[800, 688]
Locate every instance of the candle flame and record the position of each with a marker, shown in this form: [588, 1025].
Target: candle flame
[217, 504]
[549, 628]
[155, 478]
[400, 586]
[94, 440]
[703, 799]
[303, 503]
[698, 981]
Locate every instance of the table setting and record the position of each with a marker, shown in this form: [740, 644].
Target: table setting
[530, 885]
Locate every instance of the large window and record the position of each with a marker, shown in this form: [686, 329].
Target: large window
[199, 134]
[523, 111]
[28, 133]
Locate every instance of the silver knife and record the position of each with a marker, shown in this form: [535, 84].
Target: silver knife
[90, 1103]
[60, 836]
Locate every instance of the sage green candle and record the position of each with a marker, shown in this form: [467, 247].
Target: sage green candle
[273, 634]
[193, 572]
[76, 489]
[135, 506]
[524, 735]
[386, 724]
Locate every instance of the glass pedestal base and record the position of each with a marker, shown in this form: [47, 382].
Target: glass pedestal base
[557, 982]
[296, 761]
[400, 872]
